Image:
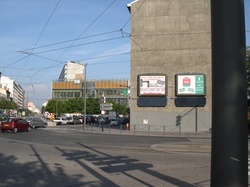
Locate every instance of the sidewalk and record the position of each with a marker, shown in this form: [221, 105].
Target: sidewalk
[199, 134]
[105, 130]
[198, 141]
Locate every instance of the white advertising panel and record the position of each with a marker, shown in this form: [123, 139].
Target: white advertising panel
[152, 85]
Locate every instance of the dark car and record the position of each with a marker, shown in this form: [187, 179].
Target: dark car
[113, 122]
[14, 125]
[36, 122]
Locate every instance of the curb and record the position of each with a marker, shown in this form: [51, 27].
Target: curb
[184, 148]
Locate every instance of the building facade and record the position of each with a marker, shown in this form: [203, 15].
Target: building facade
[14, 91]
[114, 90]
[71, 84]
[72, 71]
[170, 38]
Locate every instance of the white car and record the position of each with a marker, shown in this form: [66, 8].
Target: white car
[60, 121]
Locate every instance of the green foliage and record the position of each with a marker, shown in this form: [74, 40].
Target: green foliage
[51, 106]
[122, 109]
[76, 105]
[7, 104]
[70, 106]
[93, 106]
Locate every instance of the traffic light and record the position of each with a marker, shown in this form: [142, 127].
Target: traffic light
[178, 120]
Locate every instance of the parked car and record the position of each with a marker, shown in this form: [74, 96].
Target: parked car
[90, 119]
[101, 120]
[60, 121]
[113, 122]
[73, 120]
[36, 122]
[15, 125]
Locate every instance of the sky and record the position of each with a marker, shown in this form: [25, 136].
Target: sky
[247, 21]
[37, 37]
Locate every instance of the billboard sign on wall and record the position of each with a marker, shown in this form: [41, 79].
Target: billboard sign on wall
[152, 85]
[190, 84]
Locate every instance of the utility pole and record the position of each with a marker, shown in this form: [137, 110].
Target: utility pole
[229, 162]
[85, 96]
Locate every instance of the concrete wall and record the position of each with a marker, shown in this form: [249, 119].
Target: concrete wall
[171, 37]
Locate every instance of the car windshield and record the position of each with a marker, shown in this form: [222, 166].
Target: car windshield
[7, 120]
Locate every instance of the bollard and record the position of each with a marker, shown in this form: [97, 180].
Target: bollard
[127, 126]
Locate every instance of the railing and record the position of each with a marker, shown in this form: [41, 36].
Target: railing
[126, 129]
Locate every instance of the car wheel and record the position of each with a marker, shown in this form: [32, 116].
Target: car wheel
[15, 130]
[33, 126]
[44, 126]
[28, 129]
[2, 130]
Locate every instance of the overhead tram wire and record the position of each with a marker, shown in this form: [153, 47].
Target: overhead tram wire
[16, 61]
[133, 14]
[56, 49]
[40, 35]
[82, 33]
[27, 56]
[66, 41]
[122, 31]
[86, 29]
[76, 40]
[79, 38]
[103, 56]
[46, 24]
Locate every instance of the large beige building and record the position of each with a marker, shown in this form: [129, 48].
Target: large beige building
[70, 84]
[170, 37]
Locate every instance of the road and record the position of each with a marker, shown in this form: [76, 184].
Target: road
[68, 156]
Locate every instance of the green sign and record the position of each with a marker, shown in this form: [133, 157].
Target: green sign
[190, 84]
[199, 84]
[125, 91]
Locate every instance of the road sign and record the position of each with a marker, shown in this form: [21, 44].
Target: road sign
[106, 106]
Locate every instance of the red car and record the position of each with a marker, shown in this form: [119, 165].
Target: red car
[15, 124]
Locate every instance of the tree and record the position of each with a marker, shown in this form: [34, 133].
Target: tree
[76, 105]
[7, 104]
[122, 109]
[51, 106]
[93, 106]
